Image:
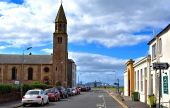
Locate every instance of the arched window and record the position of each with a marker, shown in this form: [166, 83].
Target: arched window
[14, 73]
[30, 73]
[60, 40]
[46, 69]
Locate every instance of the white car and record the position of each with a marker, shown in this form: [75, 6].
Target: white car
[35, 96]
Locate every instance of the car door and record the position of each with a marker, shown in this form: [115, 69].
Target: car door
[45, 96]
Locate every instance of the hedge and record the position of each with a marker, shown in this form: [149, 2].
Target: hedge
[7, 88]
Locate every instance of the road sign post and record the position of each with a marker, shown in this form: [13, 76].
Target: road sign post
[160, 66]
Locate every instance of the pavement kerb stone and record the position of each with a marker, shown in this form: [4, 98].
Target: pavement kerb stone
[120, 102]
[18, 105]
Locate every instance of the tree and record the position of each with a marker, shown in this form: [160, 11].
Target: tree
[58, 83]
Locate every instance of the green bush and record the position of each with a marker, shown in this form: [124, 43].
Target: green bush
[5, 88]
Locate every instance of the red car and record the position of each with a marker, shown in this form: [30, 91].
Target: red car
[78, 90]
[53, 94]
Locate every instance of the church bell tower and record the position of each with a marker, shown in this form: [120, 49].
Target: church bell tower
[60, 53]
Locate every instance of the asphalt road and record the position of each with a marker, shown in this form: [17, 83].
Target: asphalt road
[92, 99]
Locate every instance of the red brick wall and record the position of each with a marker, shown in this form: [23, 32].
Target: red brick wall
[9, 97]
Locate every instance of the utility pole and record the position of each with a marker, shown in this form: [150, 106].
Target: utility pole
[160, 84]
[159, 66]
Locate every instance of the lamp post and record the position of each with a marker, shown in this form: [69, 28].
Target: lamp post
[23, 68]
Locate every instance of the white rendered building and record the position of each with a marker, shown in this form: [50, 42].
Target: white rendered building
[159, 49]
[142, 78]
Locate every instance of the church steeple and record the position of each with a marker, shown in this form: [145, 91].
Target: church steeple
[61, 18]
[61, 21]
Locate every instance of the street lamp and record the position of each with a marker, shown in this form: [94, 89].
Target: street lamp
[23, 67]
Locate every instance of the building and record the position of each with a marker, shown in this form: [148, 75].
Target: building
[146, 79]
[159, 51]
[129, 78]
[71, 73]
[137, 78]
[50, 69]
[142, 78]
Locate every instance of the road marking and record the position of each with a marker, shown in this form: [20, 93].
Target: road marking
[104, 102]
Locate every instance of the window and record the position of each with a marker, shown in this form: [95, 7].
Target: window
[160, 46]
[64, 27]
[138, 80]
[30, 73]
[151, 90]
[145, 72]
[59, 40]
[14, 72]
[154, 51]
[46, 69]
[135, 80]
[141, 78]
[59, 27]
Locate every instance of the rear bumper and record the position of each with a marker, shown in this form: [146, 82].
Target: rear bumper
[27, 101]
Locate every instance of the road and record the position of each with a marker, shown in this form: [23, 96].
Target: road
[92, 99]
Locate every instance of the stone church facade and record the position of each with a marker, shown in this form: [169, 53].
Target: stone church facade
[42, 68]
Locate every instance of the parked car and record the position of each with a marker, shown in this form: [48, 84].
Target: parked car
[70, 91]
[53, 94]
[78, 90]
[74, 91]
[63, 92]
[83, 88]
[35, 96]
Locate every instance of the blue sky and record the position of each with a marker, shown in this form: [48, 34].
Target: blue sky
[102, 35]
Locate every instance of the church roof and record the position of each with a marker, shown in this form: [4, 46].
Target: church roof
[61, 15]
[28, 59]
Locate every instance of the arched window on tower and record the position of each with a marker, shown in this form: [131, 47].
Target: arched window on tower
[60, 40]
[30, 73]
[14, 73]
[59, 27]
[64, 27]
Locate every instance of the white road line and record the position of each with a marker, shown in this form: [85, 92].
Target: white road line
[104, 102]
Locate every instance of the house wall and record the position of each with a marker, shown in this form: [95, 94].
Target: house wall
[161, 56]
[141, 80]
[126, 83]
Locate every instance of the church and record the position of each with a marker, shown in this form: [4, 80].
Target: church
[51, 69]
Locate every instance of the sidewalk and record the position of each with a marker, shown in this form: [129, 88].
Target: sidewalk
[11, 104]
[126, 101]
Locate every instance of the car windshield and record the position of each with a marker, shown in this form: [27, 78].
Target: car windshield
[48, 91]
[32, 93]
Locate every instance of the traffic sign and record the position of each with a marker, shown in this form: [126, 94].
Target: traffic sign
[160, 66]
[116, 84]
[165, 84]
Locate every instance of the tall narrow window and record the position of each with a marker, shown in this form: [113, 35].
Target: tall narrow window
[145, 69]
[138, 80]
[141, 78]
[154, 51]
[160, 46]
[30, 73]
[135, 80]
[60, 40]
[14, 73]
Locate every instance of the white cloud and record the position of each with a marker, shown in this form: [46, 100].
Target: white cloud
[107, 23]
[2, 47]
[48, 51]
[91, 67]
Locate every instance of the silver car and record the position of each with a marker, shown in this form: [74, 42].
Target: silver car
[35, 96]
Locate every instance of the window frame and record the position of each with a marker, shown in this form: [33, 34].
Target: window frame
[30, 73]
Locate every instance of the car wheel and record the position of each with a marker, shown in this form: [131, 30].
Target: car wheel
[42, 102]
[24, 104]
[59, 99]
[47, 101]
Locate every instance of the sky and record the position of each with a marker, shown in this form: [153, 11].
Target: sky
[102, 35]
